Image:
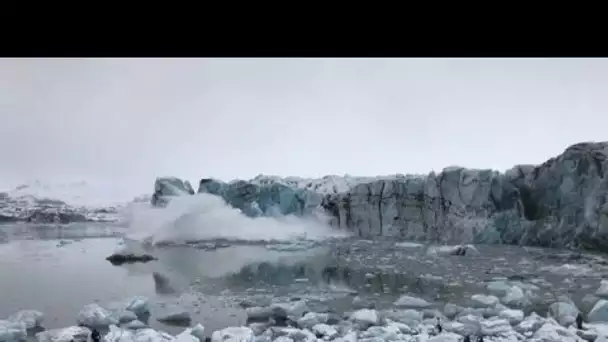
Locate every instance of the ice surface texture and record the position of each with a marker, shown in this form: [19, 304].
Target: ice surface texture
[560, 203]
[273, 199]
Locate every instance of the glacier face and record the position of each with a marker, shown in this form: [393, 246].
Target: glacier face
[562, 202]
[263, 199]
[166, 187]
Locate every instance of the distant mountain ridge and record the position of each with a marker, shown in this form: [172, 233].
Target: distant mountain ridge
[40, 202]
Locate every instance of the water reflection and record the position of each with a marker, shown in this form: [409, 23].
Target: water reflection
[329, 272]
[60, 280]
[71, 231]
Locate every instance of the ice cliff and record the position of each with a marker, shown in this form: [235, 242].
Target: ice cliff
[561, 202]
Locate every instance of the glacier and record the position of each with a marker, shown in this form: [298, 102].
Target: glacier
[559, 203]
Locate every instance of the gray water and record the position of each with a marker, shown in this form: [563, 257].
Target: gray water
[58, 270]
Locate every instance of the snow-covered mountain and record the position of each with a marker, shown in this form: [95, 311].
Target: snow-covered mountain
[44, 202]
[562, 202]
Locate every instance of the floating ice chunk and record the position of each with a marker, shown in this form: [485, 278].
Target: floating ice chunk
[456, 327]
[95, 316]
[513, 316]
[138, 305]
[134, 325]
[291, 309]
[12, 331]
[402, 327]
[129, 309]
[472, 323]
[233, 334]
[451, 310]
[386, 333]
[118, 335]
[599, 328]
[496, 327]
[525, 286]
[151, 335]
[498, 287]
[311, 319]
[470, 250]
[31, 318]
[599, 312]
[283, 339]
[588, 302]
[565, 313]
[74, 333]
[411, 302]
[198, 331]
[445, 337]
[589, 335]
[123, 316]
[293, 333]
[351, 336]
[365, 316]
[452, 250]
[408, 245]
[258, 328]
[325, 330]
[515, 296]
[568, 269]
[555, 333]
[410, 317]
[143, 335]
[602, 291]
[186, 336]
[531, 323]
[565, 299]
[483, 301]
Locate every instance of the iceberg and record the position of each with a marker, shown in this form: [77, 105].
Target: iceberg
[167, 187]
[139, 305]
[233, 334]
[69, 334]
[96, 316]
[31, 318]
[12, 331]
[562, 202]
[117, 334]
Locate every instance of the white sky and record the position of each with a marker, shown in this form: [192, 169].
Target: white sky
[130, 120]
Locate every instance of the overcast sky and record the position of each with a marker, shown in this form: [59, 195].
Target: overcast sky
[134, 119]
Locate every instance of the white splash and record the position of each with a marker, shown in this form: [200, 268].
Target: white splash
[207, 217]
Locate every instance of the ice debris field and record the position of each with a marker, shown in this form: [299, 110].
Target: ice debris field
[412, 319]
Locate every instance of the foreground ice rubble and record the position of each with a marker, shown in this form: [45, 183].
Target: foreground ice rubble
[414, 320]
[74, 333]
[15, 327]
[96, 316]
